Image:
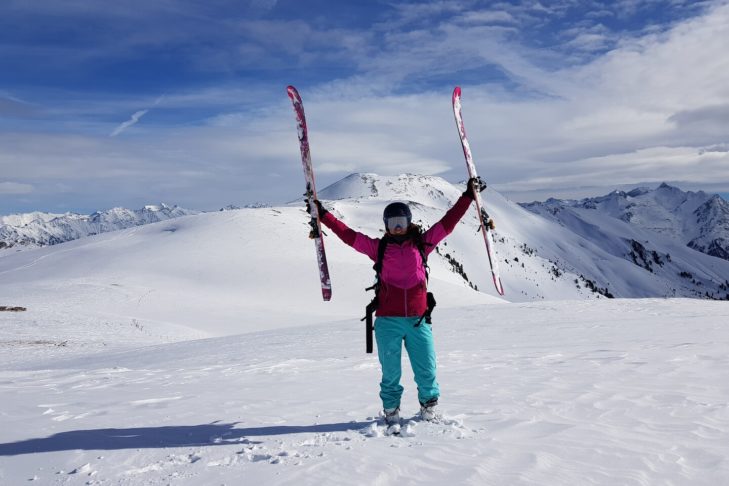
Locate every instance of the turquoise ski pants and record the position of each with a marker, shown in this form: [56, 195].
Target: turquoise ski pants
[390, 332]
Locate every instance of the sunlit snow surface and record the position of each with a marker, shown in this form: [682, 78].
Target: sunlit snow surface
[588, 392]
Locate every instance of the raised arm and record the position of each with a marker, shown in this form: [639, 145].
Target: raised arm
[445, 226]
[437, 233]
[359, 241]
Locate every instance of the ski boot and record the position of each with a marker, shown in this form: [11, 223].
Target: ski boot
[429, 412]
[392, 421]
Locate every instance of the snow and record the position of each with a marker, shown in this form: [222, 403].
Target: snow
[197, 350]
[542, 393]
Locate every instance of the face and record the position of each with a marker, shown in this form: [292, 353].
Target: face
[397, 225]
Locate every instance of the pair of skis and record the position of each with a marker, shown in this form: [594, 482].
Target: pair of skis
[315, 222]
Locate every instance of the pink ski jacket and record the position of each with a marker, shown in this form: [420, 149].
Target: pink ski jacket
[403, 284]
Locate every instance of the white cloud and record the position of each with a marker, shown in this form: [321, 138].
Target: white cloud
[487, 17]
[15, 188]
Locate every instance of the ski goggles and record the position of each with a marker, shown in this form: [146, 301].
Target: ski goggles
[396, 222]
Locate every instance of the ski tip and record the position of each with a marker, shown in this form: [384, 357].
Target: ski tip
[292, 92]
[457, 92]
[326, 294]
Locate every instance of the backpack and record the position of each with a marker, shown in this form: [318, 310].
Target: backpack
[372, 306]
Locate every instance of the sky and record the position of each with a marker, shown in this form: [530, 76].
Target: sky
[137, 102]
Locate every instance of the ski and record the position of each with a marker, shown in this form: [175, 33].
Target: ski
[482, 214]
[316, 234]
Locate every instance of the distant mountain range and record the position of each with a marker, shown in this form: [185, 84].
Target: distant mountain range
[32, 230]
[696, 219]
[661, 242]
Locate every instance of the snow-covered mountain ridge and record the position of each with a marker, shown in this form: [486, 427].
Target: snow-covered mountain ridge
[32, 230]
[644, 224]
[697, 219]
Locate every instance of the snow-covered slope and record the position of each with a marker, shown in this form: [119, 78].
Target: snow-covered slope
[32, 230]
[583, 392]
[213, 273]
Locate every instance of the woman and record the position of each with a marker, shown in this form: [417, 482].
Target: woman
[402, 297]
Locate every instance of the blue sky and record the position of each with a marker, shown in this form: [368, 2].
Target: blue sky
[133, 102]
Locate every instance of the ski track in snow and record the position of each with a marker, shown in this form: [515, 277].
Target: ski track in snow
[589, 392]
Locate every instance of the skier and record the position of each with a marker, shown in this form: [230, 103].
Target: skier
[402, 297]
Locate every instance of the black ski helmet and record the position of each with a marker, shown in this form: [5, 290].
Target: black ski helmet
[397, 209]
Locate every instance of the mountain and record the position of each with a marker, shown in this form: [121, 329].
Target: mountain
[712, 218]
[32, 230]
[650, 228]
[697, 219]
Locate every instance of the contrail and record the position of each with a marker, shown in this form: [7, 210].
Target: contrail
[134, 119]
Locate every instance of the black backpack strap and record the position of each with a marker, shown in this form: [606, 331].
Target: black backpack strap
[369, 327]
[420, 244]
[372, 306]
[430, 299]
[381, 248]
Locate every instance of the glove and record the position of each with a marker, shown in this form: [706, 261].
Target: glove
[474, 184]
[318, 205]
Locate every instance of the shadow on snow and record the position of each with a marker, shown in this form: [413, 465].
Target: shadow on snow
[160, 437]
